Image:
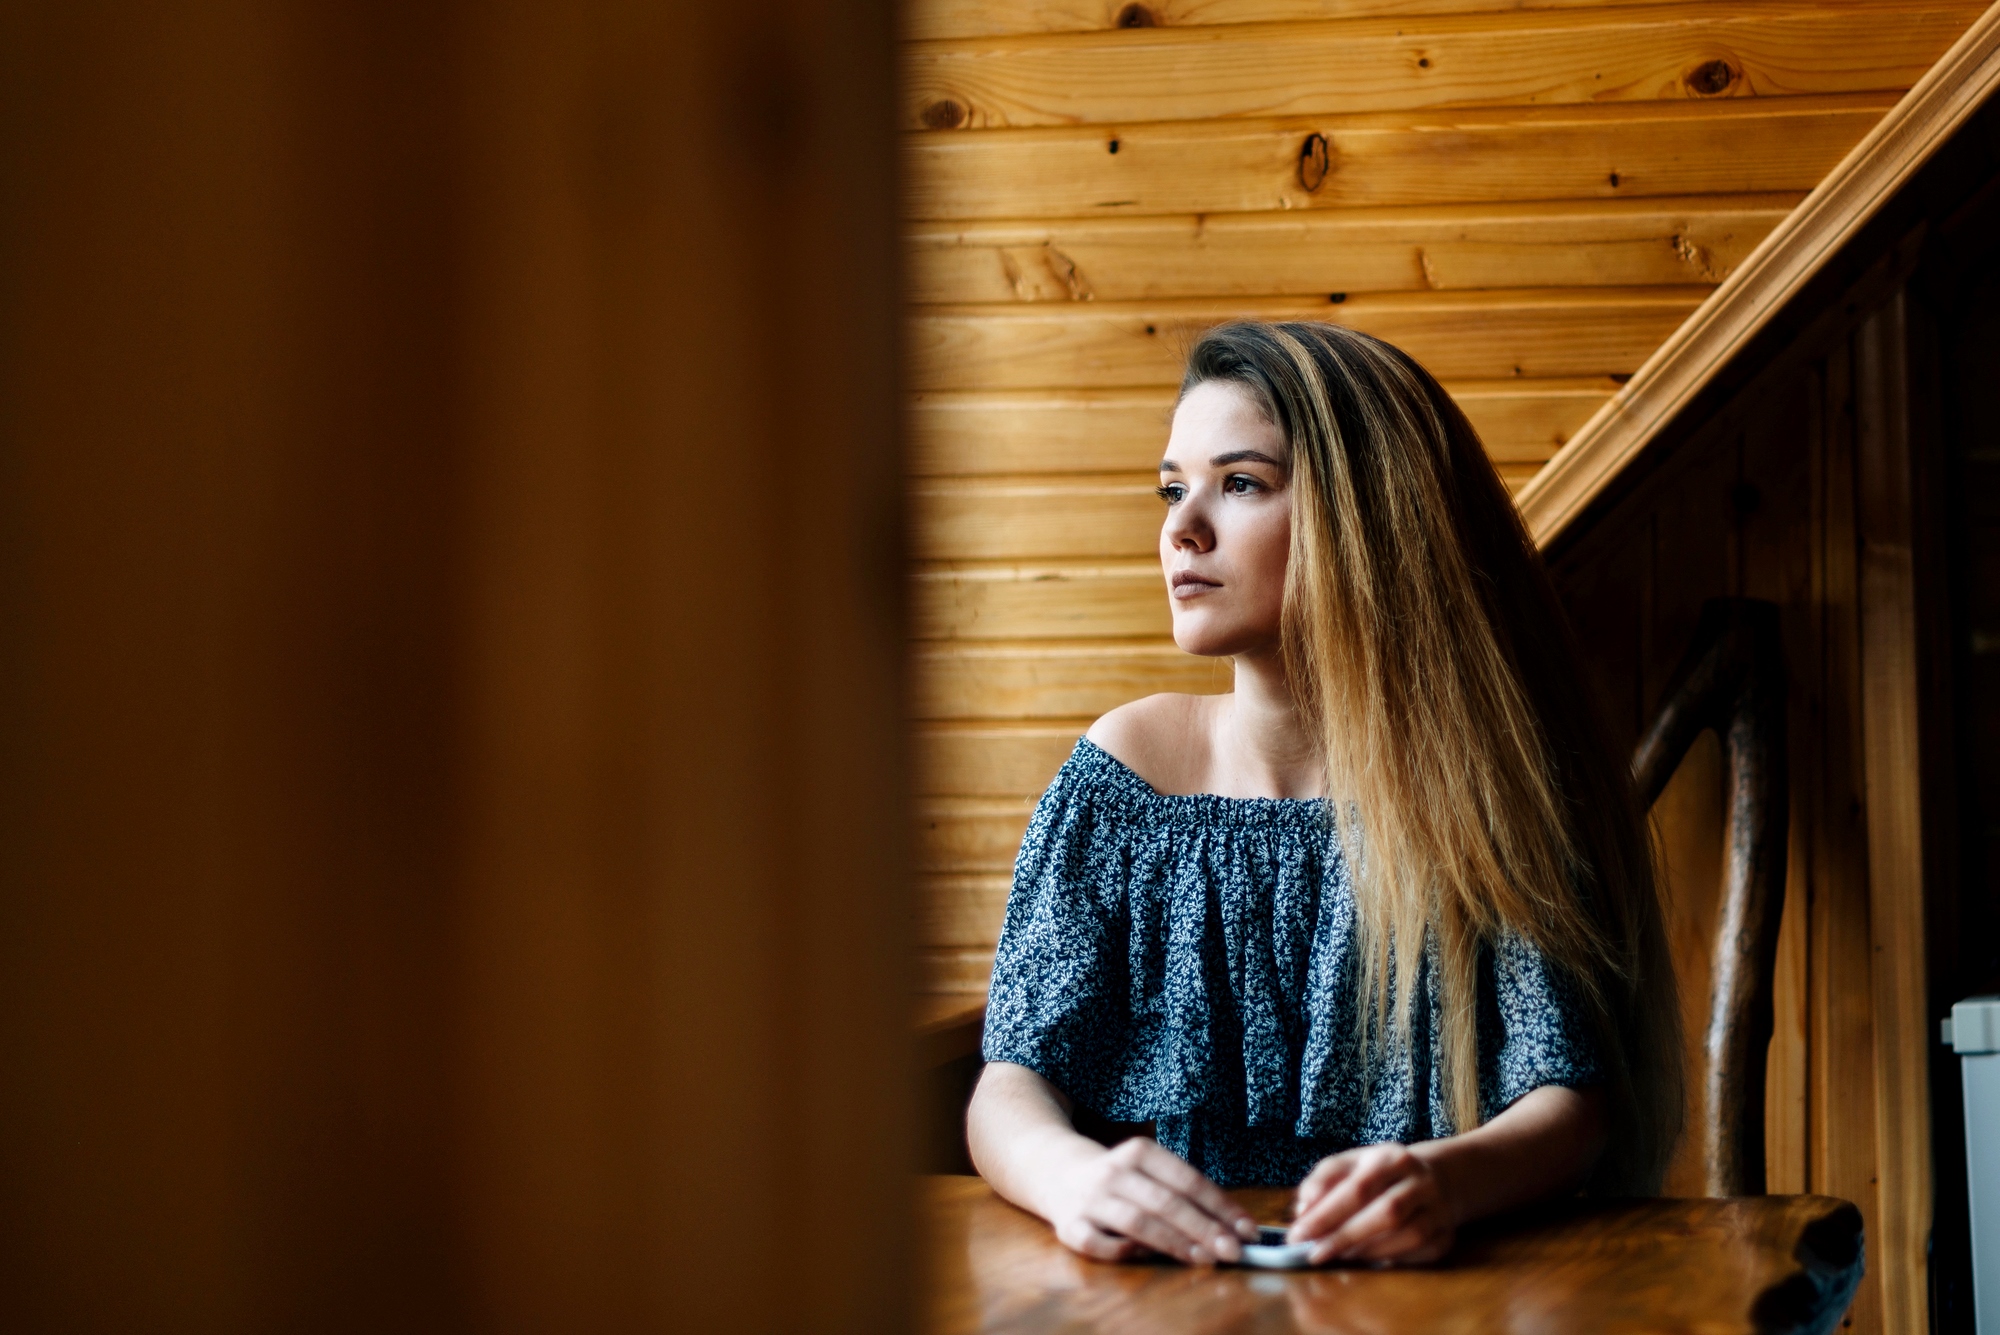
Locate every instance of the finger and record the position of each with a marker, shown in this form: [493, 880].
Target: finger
[1326, 1174]
[1168, 1168]
[1119, 1215]
[1390, 1211]
[1201, 1228]
[1353, 1189]
[1087, 1239]
[1369, 1179]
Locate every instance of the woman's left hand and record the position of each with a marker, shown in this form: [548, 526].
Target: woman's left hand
[1379, 1203]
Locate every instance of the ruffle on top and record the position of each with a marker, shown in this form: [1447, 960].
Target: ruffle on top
[1190, 961]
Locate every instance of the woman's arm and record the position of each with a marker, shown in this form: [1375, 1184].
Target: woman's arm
[1405, 1203]
[1107, 1204]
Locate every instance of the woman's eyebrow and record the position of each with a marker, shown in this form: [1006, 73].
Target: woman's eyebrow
[1233, 457]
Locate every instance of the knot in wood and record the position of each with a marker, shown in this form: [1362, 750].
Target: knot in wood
[1710, 77]
[1137, 16]
[944, 114]
[1314, 160]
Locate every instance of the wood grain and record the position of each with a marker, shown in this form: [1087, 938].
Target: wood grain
[1409, 63]
[1567, 333]
[1578, 243]
[962, 910]
[1688, 823]
[1841, 1009]
[961, 974]
[1105, 599]
[1006, 519]
[993, 759]
[1893, 764]
[1787, 1091]
[1762, 500]
[1778, 445]
[442, 840]
[1864, 180]
[966, 433]
[945, 19]
[1716, 1266]
[1729, 146]
[971, 834]
[1732, 680]
[1027, 679]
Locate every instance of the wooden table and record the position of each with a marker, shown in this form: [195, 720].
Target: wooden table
[1764, 1263]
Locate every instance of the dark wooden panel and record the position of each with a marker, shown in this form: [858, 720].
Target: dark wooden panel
[1764, 504]
[446, 861]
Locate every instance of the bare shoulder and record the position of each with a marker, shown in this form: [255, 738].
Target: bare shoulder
[1164, 739]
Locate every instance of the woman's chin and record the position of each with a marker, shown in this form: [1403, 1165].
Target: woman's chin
[1213, 641]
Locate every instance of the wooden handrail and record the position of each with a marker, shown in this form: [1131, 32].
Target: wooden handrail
[1781, 265]
[1733, 680]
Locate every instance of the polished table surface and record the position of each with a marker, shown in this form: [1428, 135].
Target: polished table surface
[1762, 1263]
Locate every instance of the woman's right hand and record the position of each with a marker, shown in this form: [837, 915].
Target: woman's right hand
[1139, 1197]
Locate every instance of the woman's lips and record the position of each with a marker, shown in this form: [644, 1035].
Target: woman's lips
[1185, 584]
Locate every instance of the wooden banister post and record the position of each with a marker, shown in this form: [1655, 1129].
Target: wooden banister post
[1733, 680]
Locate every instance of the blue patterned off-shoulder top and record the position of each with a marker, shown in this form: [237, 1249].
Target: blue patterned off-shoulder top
[1189, 961]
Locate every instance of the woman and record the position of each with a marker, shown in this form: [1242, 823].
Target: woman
[1382, 922]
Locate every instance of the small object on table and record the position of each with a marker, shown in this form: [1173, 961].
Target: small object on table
[1752, 1263]
[1272, 1252]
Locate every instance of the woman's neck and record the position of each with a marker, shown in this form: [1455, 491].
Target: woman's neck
[1260, 742]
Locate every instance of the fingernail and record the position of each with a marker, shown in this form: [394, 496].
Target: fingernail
[1227, 1248]
[1246, 1227]
[1197, 1255]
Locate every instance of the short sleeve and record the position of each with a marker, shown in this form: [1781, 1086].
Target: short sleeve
[1534, 1029]
[1059, 998]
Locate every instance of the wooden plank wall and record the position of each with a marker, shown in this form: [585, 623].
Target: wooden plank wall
[1529, 198]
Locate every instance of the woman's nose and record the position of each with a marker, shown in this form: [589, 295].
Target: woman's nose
[1187, 527]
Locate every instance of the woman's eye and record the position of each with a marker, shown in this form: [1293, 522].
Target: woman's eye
[1171, 492]
[1241, 484]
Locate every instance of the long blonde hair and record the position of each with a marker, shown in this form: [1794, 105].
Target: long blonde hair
[1473, 789]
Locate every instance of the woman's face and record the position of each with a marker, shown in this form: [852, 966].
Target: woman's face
[1228, 532]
